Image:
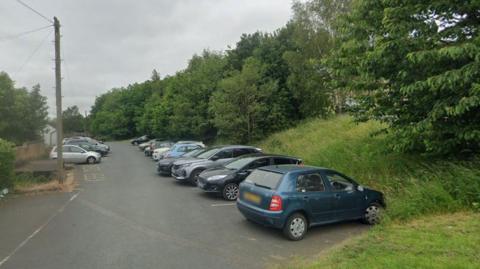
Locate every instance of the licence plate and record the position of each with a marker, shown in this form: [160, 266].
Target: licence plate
[252, 197]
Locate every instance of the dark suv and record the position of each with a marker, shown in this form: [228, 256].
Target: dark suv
[293, 198]
[188, 169]
[225, 179]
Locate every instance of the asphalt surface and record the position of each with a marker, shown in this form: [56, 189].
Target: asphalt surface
[124, 215]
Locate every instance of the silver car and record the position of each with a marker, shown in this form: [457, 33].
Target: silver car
[75, 154]
[188, 169]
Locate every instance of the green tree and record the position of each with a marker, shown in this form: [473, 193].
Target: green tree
[73, 121]
[244, 107]
[416, 67]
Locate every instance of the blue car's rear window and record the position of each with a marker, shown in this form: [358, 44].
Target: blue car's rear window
[265, 179]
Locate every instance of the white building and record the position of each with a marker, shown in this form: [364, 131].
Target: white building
[49, 135]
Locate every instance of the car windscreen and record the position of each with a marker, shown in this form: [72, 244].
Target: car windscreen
[194, 153]
[238, 163]
[209, 153]
[265, 179]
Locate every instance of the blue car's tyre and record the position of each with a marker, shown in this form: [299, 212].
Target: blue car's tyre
[296, 227]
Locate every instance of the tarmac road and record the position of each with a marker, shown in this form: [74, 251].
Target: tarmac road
[124, 215]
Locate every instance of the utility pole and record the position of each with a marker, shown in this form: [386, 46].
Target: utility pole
[58, 93]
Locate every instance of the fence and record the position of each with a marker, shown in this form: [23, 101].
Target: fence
[30, 151]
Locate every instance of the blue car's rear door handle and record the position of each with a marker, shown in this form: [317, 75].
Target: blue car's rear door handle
[337, 196]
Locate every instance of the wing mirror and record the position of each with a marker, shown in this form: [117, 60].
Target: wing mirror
[214, 158]
[360, 188]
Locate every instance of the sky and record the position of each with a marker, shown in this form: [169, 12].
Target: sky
[113, 43]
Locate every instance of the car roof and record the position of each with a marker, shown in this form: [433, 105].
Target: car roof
[233, 146]
[263, 155]
[288, 168]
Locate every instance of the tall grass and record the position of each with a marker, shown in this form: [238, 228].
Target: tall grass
[413, 185]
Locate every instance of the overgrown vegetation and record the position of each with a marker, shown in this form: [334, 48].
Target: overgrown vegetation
[414, 65]
[414, 185]
[440, 242]
[25, 180]
[7, 159]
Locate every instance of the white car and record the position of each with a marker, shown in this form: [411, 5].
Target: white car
[75, 154]
[159, 152]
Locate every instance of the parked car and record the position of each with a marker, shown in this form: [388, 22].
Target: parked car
[189, 169]
[179, 149]
[164, 166]
[226, 179]
[158, 144]
[139, 140]
[294, 198]
[75, 154]
[91, 147]
[191, 142]
[144, 145]
[77, 140]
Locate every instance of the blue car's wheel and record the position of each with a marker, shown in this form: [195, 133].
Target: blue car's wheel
[296, 227]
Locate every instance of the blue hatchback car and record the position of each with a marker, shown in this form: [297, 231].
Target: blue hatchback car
[294, 198]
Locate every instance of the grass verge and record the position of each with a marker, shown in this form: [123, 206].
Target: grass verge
[27, 183]
[435, 241]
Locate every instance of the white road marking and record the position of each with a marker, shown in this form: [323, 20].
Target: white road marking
[24, 242]
[226, 204]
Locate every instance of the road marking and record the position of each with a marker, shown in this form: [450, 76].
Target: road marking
[24, 242]
[225, 204]
[94, 177]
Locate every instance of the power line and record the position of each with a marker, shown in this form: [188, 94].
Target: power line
[34, 51]
[11, 37]
[32, 9]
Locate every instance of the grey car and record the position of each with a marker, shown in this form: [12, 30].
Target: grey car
[188, 169]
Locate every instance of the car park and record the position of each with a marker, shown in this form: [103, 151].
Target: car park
[188, 169]
[139, 140]
[294, 198]
[76, 154]
[164, 166]
[225, 179]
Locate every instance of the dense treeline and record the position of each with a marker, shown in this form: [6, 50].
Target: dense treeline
[23, 113]
[268, 82]
[411, 65]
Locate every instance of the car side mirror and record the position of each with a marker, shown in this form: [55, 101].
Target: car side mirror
[360, 188]
[214, 158]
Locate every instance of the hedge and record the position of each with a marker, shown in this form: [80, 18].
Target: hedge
[7, 159]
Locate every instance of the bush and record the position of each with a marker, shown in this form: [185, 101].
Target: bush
[7, 159]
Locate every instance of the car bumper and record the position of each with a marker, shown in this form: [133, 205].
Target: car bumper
[260, 216]
[164, 169]
[208, 187]
[180, 174]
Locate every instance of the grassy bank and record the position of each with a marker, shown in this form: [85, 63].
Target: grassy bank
[443, 241]
[413, 185]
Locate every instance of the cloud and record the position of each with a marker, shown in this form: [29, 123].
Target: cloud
[108, 44]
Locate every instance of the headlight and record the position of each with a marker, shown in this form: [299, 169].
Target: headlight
[217, 177]
[185, 165]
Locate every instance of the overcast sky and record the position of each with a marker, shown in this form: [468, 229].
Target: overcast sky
[112, 43]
